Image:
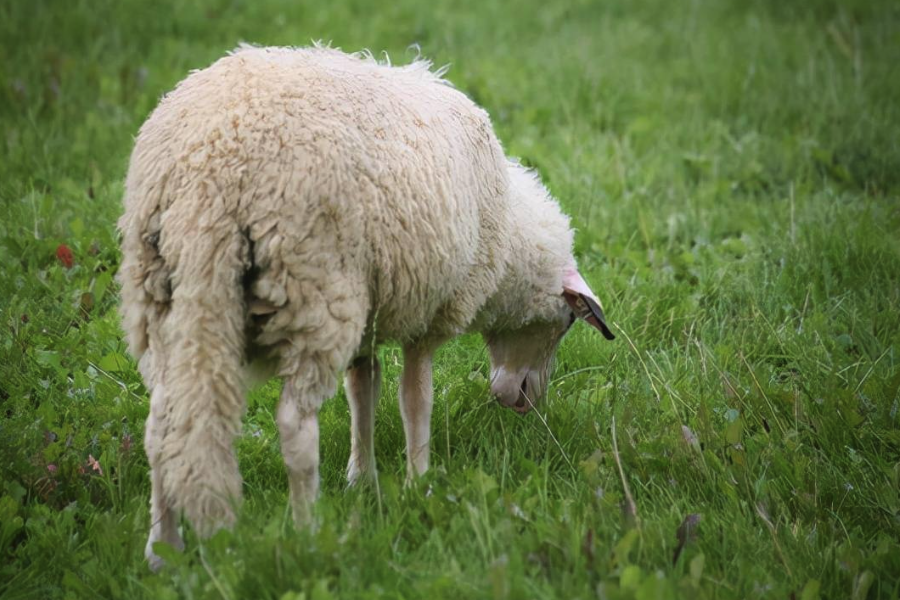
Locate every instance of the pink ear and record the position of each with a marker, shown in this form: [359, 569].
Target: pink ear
[574, 282]
[583, 301]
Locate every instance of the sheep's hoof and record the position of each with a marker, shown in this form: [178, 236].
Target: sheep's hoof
[155, 561]
[358, 474]
[305, 518]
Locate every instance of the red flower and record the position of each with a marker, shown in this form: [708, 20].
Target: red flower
[65, 256]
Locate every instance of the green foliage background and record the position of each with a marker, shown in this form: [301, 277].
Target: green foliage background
[733, 170]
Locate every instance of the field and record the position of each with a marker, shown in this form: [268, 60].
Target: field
[733, 171]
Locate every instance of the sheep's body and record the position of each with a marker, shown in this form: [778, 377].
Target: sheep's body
[300, 206]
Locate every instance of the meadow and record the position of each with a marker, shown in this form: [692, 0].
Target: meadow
[732, 168]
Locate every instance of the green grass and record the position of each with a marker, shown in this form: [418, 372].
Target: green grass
[733, 169]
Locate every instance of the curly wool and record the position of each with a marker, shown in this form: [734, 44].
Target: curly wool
[294, 205]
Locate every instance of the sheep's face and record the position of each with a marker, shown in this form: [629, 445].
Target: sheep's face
[521, 361]
[521, 358]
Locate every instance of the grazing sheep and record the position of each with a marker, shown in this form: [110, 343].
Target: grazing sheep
[290, 209]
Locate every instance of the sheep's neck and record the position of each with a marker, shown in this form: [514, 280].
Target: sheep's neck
[532, 278]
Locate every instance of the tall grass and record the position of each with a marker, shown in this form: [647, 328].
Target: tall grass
[733, 170]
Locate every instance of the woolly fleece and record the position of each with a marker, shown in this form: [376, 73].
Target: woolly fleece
[295, 207]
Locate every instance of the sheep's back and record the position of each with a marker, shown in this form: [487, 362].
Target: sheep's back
[337, 167]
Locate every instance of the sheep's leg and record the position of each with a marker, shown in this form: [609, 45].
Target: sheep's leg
[415, 407]
[362, 383]
[163, 519]
[325, 325]
[163, 523]
[298, 426]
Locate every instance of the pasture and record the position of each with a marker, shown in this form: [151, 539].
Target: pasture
[733, 172]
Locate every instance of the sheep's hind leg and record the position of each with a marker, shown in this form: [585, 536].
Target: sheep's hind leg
[362, 383]
[163, 518]
[298, 426]
[318, 340]
[163, 523]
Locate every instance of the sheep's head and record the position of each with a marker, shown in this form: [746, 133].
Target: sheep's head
[521, 358]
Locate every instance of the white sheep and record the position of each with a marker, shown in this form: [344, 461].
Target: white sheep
[291, 209]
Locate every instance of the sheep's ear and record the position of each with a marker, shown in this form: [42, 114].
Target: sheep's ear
[583, 302]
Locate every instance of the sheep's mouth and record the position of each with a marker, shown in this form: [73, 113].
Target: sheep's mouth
[521, 398]
[523, 405]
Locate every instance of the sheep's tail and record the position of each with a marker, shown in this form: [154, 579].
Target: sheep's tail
[204, 395]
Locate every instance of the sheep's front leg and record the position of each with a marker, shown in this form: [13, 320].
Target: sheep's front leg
[362, 384]
[298, 426]
[415, 407]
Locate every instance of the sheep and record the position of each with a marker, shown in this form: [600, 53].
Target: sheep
[287, 210]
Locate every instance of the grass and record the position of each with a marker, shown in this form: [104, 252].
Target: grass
[733, 169]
